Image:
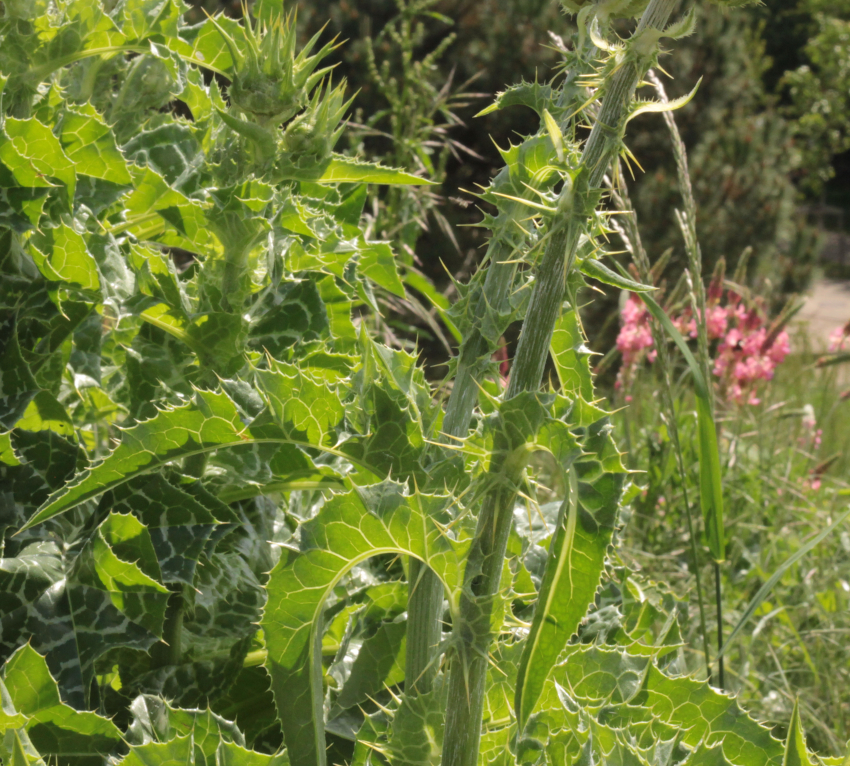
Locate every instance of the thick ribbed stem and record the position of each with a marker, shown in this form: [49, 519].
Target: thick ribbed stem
[484, 566]
[425, 597]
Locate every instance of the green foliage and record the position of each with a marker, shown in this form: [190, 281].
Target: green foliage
[785, 523]
[220, 493]
[818, 93]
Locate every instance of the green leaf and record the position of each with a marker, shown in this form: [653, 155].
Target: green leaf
[62, 256]
[156, 720]
[250, 703]
[416, 733]
[45, 461]
[303, 400]
[394, 412]
[347, 170]
[572, 357]
[53, 728]
[796, 753]
[574, 568]
[703, 715]
[710, 474]
[530, 94]
[179, 525]
[156, 212]
[18, 386]
[643, 107]
[347, 531]
[20, 756]
[300, 402]
[554, 134]
[231, 754]
[33, 155]
[88, 141]
[205, 45]
[297, 316]
[176, 752]
[377, 262]
[157, 277]
[379, 664]
[77, 605]
[141, 18]
[172, 151]
[594, 269]
[219, 340]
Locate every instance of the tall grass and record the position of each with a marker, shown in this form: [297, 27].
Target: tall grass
[796, 644]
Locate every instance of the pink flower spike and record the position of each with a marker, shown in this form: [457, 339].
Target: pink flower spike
[780, 348]
[717, 322]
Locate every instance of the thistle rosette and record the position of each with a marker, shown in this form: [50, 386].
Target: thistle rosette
[270, 83]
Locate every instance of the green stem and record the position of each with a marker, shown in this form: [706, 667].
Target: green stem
[687, 221]
[425, 598]
[718, 597]
[468, 671]
[169, 651]
[634, 244]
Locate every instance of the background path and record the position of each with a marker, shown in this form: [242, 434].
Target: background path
[827, 307]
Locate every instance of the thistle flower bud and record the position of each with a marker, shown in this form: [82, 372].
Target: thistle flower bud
[270, 83]
[310, 138]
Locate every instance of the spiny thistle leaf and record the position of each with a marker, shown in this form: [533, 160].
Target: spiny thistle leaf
[210, 423]
[574, 568]
[704, 715]
[52, 727]
[346, 170]
[348, 530]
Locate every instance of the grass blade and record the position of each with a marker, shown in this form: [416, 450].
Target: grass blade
[775, 577]
[710, 476]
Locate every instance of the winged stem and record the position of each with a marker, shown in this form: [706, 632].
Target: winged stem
[425, 599]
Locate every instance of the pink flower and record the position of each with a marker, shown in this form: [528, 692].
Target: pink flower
[839, 339]
[633, 311]
[745, 353]
[780, 348]
[717, 322]
[634, 335]
[732, 340]
[752, 343]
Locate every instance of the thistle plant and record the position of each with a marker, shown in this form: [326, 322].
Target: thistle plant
[234, 523]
